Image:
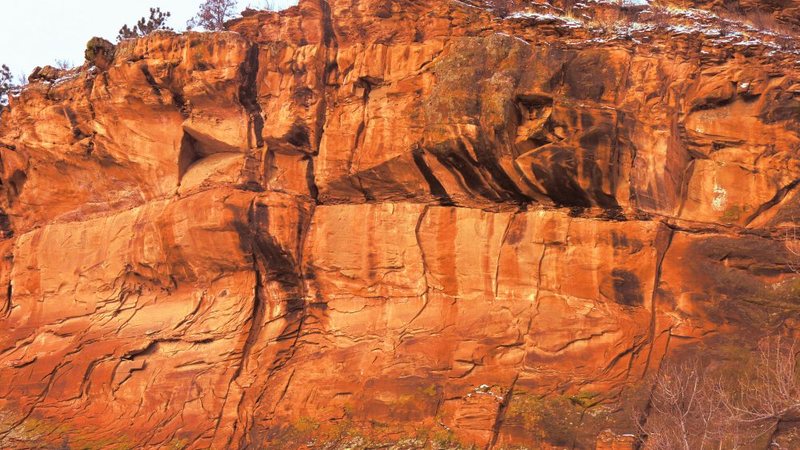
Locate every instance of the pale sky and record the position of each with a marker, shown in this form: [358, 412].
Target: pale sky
[37, 32]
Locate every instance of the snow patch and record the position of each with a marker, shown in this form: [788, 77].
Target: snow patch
[467, 4]
[515, 37]
[65, 78]
[485, 389]
[545, 18]
[720, 198]
[624, 3]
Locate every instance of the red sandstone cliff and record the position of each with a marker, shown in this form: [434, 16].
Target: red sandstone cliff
[362, 221]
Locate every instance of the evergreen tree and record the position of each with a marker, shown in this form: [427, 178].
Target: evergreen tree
[145, 26]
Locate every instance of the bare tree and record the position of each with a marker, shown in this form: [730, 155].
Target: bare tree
[686, 410]
[145, 26]
[792, 244]
[64, 64]
[770, 394]
[22, 78]
[691, 408]
[264, 5]
[213, 14]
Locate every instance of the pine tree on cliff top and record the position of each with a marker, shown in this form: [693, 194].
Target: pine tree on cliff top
[145, 26]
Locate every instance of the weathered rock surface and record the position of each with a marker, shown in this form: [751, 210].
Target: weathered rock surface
[407, 222]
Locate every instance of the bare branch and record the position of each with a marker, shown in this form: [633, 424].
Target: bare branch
[213, 14]
[693, 409]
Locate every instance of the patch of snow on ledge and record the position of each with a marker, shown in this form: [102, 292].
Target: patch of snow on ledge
[544, 18]
[633, 3]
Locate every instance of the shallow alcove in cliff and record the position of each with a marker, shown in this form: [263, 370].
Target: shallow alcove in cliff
[203, 166]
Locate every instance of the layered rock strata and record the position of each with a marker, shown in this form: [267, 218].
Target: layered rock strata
[410, 222]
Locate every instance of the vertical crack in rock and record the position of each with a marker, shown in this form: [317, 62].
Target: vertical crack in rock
[328, 34]
[248, 236]
[663, 241]
[642, 418]
[8, 305]
[274, 269]
[257, 314]
[304, 227]
[417, 228]
[311, 180]
[680, 139]
[686, 178]
[366, 84]
[248, 97]
[253, 171]
[244, 420]
[501, 414]
[283, 269]
[330, 55]
[539, 278]
[615, 171]
[425, 269]
[271, 264]
[330, 68]
[500, 252]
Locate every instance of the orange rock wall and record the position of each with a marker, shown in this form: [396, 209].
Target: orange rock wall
[384, 221]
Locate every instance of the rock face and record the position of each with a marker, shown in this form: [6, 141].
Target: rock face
[411, 222]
